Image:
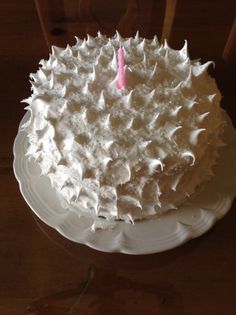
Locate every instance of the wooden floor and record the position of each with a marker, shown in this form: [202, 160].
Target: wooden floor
[42, 273]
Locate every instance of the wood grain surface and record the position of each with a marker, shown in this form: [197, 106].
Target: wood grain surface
[43, 273]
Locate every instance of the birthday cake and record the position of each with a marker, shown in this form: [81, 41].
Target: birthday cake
[126, 148]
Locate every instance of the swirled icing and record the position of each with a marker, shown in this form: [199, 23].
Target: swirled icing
[129, 153]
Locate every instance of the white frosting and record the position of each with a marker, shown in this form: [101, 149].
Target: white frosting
[123, 154]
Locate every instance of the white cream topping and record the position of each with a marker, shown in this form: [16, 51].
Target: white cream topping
[123, 154]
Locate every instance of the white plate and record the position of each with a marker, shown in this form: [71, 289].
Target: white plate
[145, 237]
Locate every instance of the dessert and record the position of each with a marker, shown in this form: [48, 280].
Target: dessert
[124, 153]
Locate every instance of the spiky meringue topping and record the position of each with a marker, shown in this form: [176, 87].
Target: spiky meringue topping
[124, 154]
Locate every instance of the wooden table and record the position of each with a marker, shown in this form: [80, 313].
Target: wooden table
[43, 273]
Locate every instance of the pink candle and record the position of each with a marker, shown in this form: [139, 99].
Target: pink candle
[121, 68]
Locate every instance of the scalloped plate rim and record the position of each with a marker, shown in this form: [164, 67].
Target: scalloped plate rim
[117, 235]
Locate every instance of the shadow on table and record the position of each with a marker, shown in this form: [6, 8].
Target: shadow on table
[112, 285]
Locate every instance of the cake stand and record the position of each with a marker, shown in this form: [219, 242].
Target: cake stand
[176, 227]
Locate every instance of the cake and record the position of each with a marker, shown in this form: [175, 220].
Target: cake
[128, 153]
